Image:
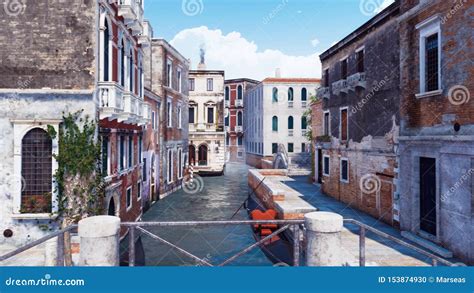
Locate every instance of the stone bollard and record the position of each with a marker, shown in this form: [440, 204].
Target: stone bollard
[99, 241]
[323, 246]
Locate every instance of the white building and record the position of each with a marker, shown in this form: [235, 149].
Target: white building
[206, 120]
[275, 116]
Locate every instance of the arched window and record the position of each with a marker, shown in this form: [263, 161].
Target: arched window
[203, 155]
[227, 93]
[304, 122]
[240, 92]
[291, 123]
[304, 94]
[291, 93]
[192, 155]
[105, 62]
[275, 123]
[36, 170]
[275, 95]
[130, 71]
[123, 59]
[240, 118]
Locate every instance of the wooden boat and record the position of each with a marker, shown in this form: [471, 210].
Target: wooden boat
[278, 249]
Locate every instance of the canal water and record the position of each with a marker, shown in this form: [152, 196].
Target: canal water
[219, 200]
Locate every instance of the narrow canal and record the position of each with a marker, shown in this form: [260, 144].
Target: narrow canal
[219, 200]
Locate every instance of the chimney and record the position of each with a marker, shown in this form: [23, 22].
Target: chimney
[278, 73]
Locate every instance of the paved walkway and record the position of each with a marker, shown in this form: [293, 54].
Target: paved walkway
[379, 251]
[31, 258]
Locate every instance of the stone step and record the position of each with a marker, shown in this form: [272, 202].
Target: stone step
[441, 251]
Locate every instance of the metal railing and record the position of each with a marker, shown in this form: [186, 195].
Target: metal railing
[284, 225]
[60, 248]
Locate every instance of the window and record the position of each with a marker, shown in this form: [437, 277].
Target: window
[130, 152]
[139, 191]
[291, 93]
[240, 93]
[326, 123]
[227, 140]
[303, 147]
[170, 166]
[122, 64]
[227, 120]
[240, 140]
[153, 120]
[326, 165]
[304, 94]
[169, 73]
[179, 80]
[430, 55]
[105, 62]
[210, 115]
[227, 93]
[191, 115]
[274, 148]
[180, 164]
[179, 118]
[290, 147]
[140, 80]
[344, 69]
[130, 72]
[344, 170]
[343, 123]
[36, 171]
[144, 170]
[140, 149]
[326, 77]
[105, 156]
[240, 118]
[304, 122]
[122, 153]
[169, 113]
[210, 84]
[191, 84]
[275, 95]
[290, 123]
[129, 198]
[360, 61]
[275, 123]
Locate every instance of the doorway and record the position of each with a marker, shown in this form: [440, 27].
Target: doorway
[111, 211]
[203, 155]
[428, 195]
[320, 166]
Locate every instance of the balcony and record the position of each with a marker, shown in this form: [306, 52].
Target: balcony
[323, 92]
[144, 113]
[304, 104]
[130, 114]
[239, 103]
[340, 86]
[291, 132]
[145, 37]
[132, 13]
[239, 129]
[226, 104]
[227, 129]
[304, 132]
[357, 80]
[290, 104]
[110, 99]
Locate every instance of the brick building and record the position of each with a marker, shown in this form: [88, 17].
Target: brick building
[46, 72]
[169, 80]
[356, 121]
[234, 126]
[206, 120]
[437, 123]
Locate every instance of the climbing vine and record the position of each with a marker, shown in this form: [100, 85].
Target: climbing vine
[80, 184]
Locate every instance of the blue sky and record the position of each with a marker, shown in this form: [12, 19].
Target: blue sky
[266, 32]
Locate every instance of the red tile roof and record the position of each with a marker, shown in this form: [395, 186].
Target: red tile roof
[292, 80]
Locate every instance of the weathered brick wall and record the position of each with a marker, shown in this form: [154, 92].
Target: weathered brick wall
[317, 119]
[48, 44]
[457, 46]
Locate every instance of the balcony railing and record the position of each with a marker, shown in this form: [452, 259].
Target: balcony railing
[227, 128]
[226, 103]
[130, 113]
[239, 103]
[132, 12]
[304, 104]
[357, 80]
[239, 129]
[291, 132]
[340, 86]
[290, 104]
[323, 92]
[110, 99]
[304, 132]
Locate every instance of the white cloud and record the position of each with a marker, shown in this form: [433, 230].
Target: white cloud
[240, 57]
[315, 42]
